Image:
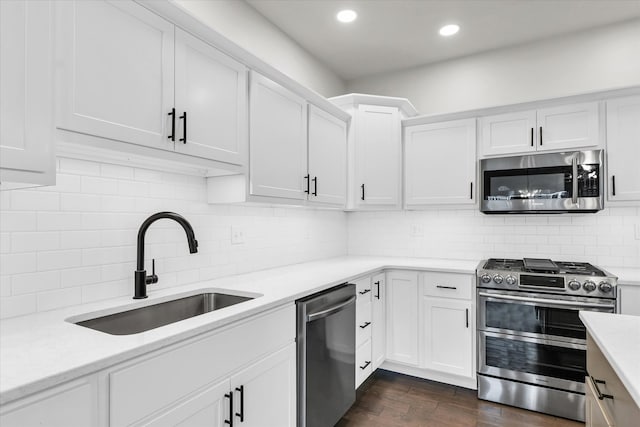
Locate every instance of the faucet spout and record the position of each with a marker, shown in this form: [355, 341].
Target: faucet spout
[140, 275]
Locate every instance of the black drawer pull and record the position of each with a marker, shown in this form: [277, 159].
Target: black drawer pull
[541, 136]
[365, 291]
[365, 325]
[466, 311]
[445, 287]
[378, 285]
[601, 395]
[241, 413]
[368, 362]
[362, 186]
[613, 185]
[532, 137]
[230, 420]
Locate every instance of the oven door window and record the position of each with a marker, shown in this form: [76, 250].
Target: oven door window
[527, 184]
[533, 319]
[535, 358]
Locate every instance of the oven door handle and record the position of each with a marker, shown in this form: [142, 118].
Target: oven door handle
[546, 301]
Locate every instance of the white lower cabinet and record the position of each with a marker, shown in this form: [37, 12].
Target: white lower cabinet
[378, 320]
[629, 297]
[447, 324]
[74, 404]
[402, 317]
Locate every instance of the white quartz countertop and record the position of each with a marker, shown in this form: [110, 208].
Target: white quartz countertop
[618, 337]
[43, 350]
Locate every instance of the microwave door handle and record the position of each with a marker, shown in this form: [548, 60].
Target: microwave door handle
[574, 183]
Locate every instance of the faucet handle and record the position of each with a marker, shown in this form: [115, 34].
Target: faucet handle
[153, 278]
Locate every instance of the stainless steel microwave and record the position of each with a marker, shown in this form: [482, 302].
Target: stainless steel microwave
[543, 183]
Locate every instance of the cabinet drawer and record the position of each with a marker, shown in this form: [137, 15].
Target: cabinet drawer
[622, 407]
[363, 288]
[448, 285]
[363, 322]
[363, 362]
[159, 380]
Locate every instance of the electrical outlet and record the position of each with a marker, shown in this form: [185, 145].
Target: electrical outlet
[237, 236]
[417, 230]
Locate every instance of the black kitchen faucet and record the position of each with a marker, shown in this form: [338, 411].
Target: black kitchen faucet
[140, 275]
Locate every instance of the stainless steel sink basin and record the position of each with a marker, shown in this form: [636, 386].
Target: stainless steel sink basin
[153, 316]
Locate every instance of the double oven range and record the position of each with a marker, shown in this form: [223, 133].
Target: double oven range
[531, 342]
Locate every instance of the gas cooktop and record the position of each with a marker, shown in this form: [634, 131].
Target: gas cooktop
[545, 275]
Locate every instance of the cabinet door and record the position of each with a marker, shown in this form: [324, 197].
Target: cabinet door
[402, 317]
[277, 140]
[377, 152]
[508, 133]
[115, 67]
[208, 408]
[629, 297]
[596, 415]
[568, 126]
[26, 85]
[378, 321]
[327, 158]
[448, 337]
[212, 89]
[623, 136]
[440, 161]
[265, 393]
[74, 404]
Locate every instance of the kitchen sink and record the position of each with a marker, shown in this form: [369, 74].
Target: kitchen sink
[153, 316]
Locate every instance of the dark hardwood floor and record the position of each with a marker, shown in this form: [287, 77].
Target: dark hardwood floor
[388, 399]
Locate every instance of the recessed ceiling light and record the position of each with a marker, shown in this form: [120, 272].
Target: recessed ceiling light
[346, 15]
[449, 30]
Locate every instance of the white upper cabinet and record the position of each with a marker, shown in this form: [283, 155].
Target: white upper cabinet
[26, 83]
[568, 126]
[440, 163]
[508, 133]
[211, 98]
[377, 156]
[555, 128]
[115, 71]
[623, 148]
[126, 74]
[277, 140]
[327, 174]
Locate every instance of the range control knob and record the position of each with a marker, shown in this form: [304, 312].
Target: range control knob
[511, 280]
[485, 278]
[605, 287]
[574, 285]
[497, 278]
[589, 286]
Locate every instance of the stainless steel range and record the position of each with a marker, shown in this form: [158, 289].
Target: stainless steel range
[531, 342]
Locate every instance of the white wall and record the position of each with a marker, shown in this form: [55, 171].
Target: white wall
[599, 59]
[605, 238]
[243, 25]
[75, 242]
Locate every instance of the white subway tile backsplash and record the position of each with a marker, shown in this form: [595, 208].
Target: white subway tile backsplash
[35, 282]
[18, 221]
[116, 171]
[79, 167]
[80, 239]
[5, 243]
[56, 221]
[17, 305]
[80, 276]
[59, 298]
[56, 260]
[16, 263]
[78, 202]
[34, 201]
[33, 241]
[106, 290]
[96, 185]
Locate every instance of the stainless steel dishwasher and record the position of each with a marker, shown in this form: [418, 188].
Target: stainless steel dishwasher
[326, 355]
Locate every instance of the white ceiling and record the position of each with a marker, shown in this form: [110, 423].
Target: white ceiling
[396, 34]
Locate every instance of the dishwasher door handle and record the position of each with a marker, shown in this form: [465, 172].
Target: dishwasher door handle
[331, 310]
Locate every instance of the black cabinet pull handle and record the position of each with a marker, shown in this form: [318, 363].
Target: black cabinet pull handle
[365, 325]
[378, 286]
[601, 396]
[307, 176]
[315, 185]
[466, 310]
[241, 413]
[445, 287]
[541, 136]
[471, 191]
[365, 291]
[613, 185]
[230, 420]
[184, 128]
[362, 197]
[368, 362]
[532, 137]
[172, 137]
